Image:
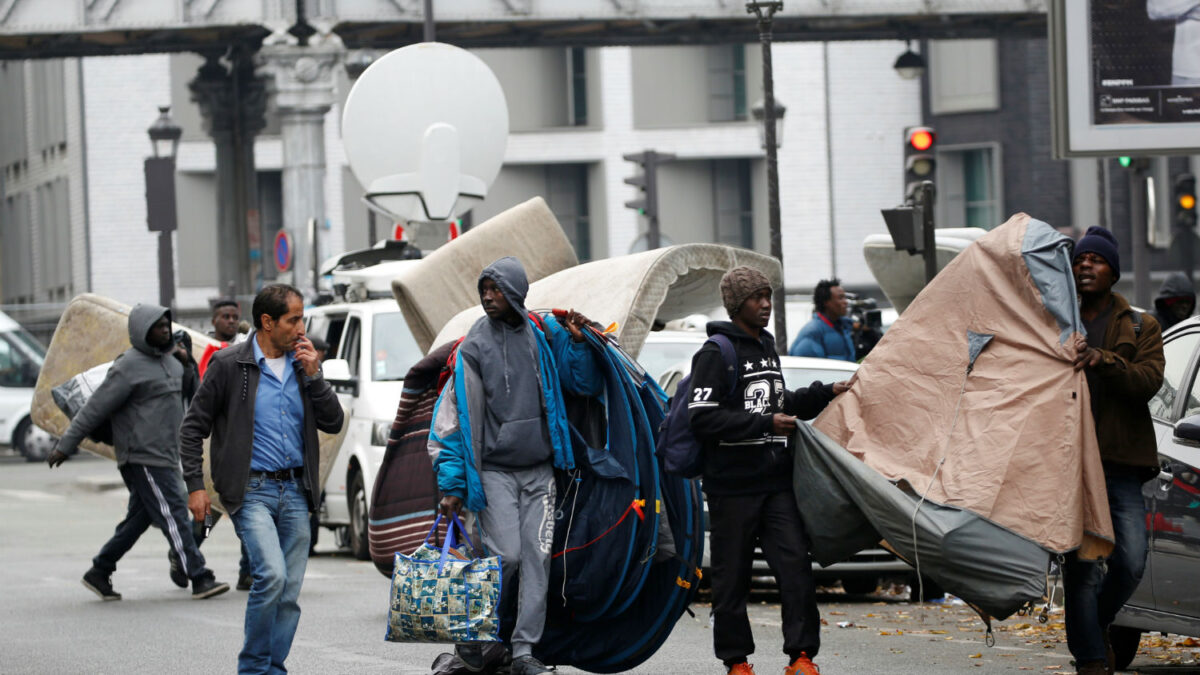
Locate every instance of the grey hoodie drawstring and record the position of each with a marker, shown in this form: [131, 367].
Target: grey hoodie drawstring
[504, 348]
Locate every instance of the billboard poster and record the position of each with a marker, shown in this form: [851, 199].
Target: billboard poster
[1145, 57]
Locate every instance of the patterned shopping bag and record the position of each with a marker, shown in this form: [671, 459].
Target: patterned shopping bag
[441, 595]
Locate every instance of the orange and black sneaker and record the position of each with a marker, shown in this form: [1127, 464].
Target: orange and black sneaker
[742, 668]
[802, 666]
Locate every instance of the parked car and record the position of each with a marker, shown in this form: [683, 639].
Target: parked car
[370, 351]
[21, 358]
[1168, 598]
[863, 573]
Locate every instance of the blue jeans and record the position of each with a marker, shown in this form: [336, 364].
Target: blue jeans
[1095, 591]
[273, 526]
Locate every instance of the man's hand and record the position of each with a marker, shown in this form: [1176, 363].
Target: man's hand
[844, 386]
[450, 505]
[56, 458]
[783, 425]
[306, 354]
[574, 323]
[1085, 356]
[180, 353]
[199, 504]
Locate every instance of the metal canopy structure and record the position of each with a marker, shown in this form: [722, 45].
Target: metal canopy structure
[58, 28]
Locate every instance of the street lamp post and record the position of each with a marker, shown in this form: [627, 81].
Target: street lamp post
[160, 198]
[765, 12]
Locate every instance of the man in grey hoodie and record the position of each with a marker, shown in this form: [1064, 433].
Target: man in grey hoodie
[1176, 300]
[499, 430]
[143, 397]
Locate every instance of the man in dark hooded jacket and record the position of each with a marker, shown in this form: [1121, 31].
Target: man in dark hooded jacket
[143, 397]
[1176, 300]
[498, 432]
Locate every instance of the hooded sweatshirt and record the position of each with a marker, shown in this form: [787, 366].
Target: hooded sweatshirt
[142, 395]
[515, 435]
[1176, 285]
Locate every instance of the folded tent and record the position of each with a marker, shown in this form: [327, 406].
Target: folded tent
[967, 442]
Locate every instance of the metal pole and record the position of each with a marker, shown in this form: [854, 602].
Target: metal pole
[927, 235]
[653, 234]
[1141, 253]
[371, 238]
[765, 11]
[429, 26]
[166, 271]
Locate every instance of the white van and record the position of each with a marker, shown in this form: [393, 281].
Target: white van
[370, 351]
[21, 357]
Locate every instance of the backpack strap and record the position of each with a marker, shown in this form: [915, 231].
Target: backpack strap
[538, 321]
[1136, 317]
[729, 356]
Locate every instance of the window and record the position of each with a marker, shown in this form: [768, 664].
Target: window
[726, 83]
[17, 369]
[964, 76]
[969, 187]
[1178, 354]
[54, 239]
[16, 247]
[567, 196]
[577, 87]
[393, 347]
[733, 218]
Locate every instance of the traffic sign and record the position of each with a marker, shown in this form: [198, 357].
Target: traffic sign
[283, 251]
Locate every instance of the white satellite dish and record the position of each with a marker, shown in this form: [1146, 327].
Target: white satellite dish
[424, 129]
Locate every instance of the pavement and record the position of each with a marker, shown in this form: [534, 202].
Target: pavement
[55, 520]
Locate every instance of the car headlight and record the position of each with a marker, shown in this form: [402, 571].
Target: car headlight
[379, 433]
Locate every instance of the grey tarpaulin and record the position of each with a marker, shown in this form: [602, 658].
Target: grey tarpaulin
[848, 506]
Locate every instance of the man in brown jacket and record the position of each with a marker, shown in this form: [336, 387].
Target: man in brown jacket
[1122, 357]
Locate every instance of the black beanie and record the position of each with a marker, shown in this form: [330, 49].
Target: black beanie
[1101, 242]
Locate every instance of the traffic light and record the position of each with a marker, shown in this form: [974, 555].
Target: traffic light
[920, 161]
[647, 182]
[1185, 201]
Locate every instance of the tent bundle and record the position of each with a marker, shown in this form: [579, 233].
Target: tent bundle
[628, 537]
[967, 443]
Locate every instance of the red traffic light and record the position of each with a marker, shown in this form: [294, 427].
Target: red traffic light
[921, 138]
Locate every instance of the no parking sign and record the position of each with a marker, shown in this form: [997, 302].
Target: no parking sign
[283, 251]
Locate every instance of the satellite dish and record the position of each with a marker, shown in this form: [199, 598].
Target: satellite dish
[424, 130]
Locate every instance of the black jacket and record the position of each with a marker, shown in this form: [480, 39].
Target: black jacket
[224, 407]
[742, 454]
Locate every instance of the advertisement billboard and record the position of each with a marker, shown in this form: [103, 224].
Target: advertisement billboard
[1125, 77]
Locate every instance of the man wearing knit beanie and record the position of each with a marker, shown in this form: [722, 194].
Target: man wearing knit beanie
[1122, 357]
[745, 417]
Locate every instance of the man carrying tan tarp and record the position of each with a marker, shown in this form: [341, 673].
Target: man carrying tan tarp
[968, 443]
[1122, 357]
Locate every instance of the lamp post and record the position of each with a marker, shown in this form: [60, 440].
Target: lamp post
[765, 12]
[160, 198]
[909, 65]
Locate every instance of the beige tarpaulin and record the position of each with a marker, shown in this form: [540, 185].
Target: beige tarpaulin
[94, 330]
[443, 284]
[634, 290]
[1010, 438]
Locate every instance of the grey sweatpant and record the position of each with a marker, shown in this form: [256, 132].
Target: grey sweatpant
[518, 525]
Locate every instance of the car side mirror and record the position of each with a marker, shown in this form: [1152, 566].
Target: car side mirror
[337, 371]
[1188, 430]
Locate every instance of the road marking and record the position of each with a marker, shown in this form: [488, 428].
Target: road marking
[32, 496]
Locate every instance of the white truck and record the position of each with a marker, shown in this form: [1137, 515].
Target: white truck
[21, 357]
[370, 350]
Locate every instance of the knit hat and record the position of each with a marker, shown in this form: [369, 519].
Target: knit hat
[1101, 242]
[740, 283]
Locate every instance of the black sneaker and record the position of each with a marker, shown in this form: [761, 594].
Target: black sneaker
[177, 576]
[527, 665]
[98, 583]
[206, 587]
[245, 581]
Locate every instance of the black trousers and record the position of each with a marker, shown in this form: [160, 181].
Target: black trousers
[773, 522]
[156, 497]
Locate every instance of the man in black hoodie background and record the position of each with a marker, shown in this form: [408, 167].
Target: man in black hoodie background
[748, 475]
[1176, 300]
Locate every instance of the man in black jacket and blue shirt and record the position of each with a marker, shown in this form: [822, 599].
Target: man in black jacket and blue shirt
[263, 401]
[142, 395]
[748, 475]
